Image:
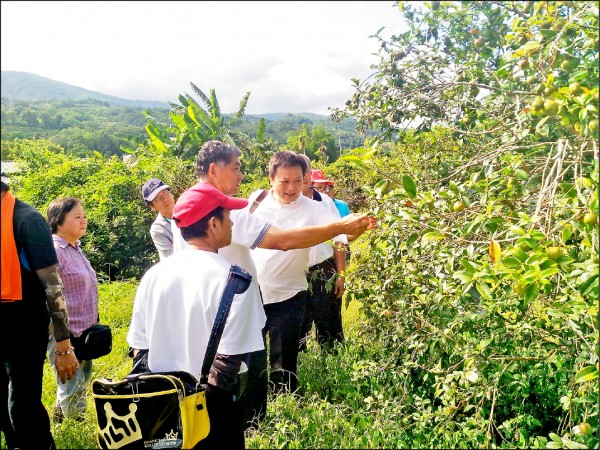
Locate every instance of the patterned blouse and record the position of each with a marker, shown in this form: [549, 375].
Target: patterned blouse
[80, 285]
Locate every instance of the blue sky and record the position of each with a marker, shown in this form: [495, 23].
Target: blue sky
[292, 56]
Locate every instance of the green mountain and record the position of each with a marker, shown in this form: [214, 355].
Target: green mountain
[30, 87]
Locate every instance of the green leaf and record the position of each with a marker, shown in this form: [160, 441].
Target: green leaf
[472, 376]
[409, 186]
[531, 293]
[586, 374]
[555, 437]
[412, 238]
[484, 289]
[515, 229]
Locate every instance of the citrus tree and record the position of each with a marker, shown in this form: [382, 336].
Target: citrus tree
[483, 280]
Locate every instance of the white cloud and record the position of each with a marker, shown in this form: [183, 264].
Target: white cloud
[292, 56]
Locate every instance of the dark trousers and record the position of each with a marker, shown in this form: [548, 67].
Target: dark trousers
[23, 417]
[322, 306]
[254, 397]
[226, 423]
[284, 320]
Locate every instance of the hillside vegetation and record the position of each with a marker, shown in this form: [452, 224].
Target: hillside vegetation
[473, 310]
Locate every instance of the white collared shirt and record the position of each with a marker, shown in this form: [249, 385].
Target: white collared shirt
[247, 232]
[324, 250]
[282, 274]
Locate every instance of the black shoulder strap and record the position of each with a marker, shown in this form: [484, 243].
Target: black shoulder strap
[259, 199]
[237, 283]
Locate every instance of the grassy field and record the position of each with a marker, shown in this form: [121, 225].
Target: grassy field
[116, 302]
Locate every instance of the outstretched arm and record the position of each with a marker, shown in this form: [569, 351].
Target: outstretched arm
[65, 361]
[304, 237]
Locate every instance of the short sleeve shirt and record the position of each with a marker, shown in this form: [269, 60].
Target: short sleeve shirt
[36, 251]
[175, 307]
[80, 285]
[282, 274]
[248, 231]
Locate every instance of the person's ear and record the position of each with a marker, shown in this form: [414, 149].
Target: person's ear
[212, 170]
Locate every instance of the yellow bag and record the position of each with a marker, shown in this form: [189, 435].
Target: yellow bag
[152, 410]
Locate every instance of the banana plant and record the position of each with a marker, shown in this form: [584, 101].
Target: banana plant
[192, 124]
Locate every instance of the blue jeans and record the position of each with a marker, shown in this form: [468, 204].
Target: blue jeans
[70, 396]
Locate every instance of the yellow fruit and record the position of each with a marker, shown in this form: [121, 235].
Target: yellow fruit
[569, 64]
[474, 31]
[538, 103]
[524, 64]
[540, 88]
[458, 206]
[590, 218]
[553, 252]
[388, 313]
[550, 107]
[519, 289]
[575, 88]
[585, 428]
[531, 79]
[550, 90]
[593, 125]
[479, 42]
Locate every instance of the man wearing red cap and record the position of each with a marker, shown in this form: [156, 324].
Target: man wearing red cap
[177, 301]
[218, 163]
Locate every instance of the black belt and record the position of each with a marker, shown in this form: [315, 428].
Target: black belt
[328, 263]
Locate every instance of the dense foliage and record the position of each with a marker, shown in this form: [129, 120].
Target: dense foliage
[483, 282]
[479, 292]
[117, 242]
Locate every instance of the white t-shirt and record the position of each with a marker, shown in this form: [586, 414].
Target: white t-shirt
[282, 274]
[247, 232]
[175, 307]
[324, 250]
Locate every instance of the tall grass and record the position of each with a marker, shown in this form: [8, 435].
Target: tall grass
[334, 407]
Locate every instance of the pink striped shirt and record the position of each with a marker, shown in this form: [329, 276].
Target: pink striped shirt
[81, 285]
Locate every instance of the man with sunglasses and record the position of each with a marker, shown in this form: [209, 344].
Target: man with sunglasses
[159, 198]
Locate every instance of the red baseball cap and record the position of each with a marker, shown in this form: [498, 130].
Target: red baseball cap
[318, 176]
[200, 200]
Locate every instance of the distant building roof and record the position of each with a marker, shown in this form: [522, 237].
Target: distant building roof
[9, 166]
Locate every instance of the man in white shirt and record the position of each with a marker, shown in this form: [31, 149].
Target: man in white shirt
[218, 163]
[282, 275]
[159, 198]
[177, 301]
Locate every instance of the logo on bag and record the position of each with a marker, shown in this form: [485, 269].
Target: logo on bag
[169, 441]
[116, 437]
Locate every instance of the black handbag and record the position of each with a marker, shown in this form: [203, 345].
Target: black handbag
[94, 342]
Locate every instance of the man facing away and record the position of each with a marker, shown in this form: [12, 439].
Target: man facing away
[219, 164]
[159, 198]
[32, 298]
[177, 301]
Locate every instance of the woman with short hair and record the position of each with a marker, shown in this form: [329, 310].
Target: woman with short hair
[68, 222]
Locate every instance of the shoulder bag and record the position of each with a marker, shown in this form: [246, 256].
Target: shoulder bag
[167, 409]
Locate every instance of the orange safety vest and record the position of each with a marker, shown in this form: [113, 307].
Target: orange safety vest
[10, 268]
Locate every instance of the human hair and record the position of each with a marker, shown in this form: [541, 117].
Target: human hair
[4, 187]
[214, 152]
[58, 209]
[199, 229]
[286, 158]
[307, 159]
